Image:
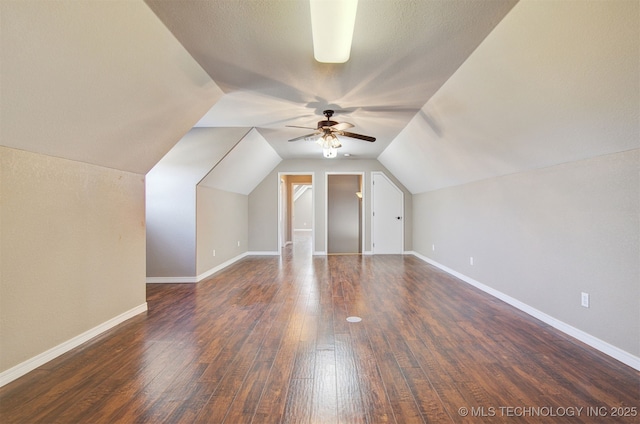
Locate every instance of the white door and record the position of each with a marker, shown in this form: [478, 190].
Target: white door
[387, 216]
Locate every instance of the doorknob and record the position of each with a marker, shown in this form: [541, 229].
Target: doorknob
[398, 217]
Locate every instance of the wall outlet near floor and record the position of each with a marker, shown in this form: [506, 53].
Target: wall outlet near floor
[238, 243]
[584, 299]
[433, 247]
[214, 252]
[470, 260]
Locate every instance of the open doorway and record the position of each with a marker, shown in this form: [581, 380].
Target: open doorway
[344, 213]
[296, 210]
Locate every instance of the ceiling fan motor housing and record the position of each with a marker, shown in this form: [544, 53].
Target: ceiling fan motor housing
[324, 124]
[328, 123]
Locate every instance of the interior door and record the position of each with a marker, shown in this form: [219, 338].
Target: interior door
[387, 216]
[344, 222]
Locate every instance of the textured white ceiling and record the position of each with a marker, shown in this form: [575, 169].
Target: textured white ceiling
[102, 82]
[244, 167]
[260, 52]
[554, 82]
[454, 90]
[191, 159]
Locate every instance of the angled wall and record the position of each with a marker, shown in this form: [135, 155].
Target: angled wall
[197, 201]
[71, 254]
[222, 202]
[171, 200]
[93, 95]
[98, 82]
[527, 160]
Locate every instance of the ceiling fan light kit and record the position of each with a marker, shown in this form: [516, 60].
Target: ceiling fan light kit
[332, 23]
[327, 132]
[330, 145]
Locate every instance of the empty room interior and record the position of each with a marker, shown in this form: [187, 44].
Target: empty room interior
[319, 211]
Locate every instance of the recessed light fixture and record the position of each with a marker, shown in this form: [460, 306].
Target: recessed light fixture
[332, 23]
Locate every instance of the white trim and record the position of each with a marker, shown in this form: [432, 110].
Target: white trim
[21, 369]
[320, 253]
[604, 347]
[264, 253]
[171, 280]
[280, 200]
[206, 274]
[302, 229]
[223, 265]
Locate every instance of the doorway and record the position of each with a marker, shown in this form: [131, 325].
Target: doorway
[344, 214]
[296, 215]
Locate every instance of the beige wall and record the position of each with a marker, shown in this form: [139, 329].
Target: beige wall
[263, 201]
[221, 222]
[72, 250]
[544, 236]
[171, 200]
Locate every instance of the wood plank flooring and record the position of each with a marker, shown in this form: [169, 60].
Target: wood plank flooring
[267, 341]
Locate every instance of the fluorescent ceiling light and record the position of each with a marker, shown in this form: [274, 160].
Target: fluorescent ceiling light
[332, 23]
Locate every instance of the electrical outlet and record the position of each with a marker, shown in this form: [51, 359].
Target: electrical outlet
[214, 252]
[470, 260]
[584, 299]
[433, 247]
[238, 243]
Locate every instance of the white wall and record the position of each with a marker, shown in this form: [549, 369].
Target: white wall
[72, 253]
[542, 237]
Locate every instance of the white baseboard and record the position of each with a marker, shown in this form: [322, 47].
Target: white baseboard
[320, 253]
[265, 253]
[604, 347]
[21, 369]
[171, 280]
[219, 267]
[197, 278]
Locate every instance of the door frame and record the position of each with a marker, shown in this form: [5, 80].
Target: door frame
[326, 207]
[281, 200]
[373, 229]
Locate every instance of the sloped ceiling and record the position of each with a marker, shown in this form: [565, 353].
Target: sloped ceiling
[192, 158]
[101, 82]
[554, 82]
[245, 166]
[454, 90]
[260, 52]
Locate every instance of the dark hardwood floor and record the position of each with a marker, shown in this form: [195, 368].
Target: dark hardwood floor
[267, 341]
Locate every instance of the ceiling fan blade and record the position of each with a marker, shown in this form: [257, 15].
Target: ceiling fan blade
[302, 137]
[297, 126]
[341, 126]
[358, 136]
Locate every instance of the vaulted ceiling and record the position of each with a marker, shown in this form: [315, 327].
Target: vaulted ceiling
[454, 90]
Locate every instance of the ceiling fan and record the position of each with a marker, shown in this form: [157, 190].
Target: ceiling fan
[327, 132]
